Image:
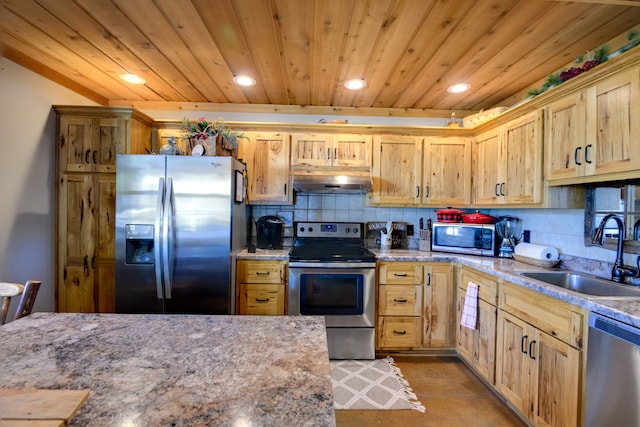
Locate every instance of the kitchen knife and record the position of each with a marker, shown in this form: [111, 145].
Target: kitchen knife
[421, 223]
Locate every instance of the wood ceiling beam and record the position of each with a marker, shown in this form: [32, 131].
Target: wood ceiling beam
[289, 109]
[613, 2]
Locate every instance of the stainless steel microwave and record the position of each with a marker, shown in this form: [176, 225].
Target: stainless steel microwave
[472, 239]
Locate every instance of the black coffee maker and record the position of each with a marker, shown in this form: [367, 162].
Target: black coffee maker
[269, 232]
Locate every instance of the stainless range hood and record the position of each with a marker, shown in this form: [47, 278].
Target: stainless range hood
[358, 182]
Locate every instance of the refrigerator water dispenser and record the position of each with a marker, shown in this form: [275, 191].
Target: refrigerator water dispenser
[139, 243]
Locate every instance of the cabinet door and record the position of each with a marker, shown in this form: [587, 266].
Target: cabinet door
[396, 170]
[268, 169]
[513, 370]
[352, 151]
[446, 171]
[557, 381]
[75, 143]
[111, 139]
[478, 346]
[311, 149]
[522, 168]
[163, 136]
[439, 306]
[103, 259]
[486, 176]
[612, 123]
[565, 136]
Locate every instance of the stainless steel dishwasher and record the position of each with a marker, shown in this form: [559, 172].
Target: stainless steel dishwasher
[613, 374]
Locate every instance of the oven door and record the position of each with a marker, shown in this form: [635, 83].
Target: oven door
[344, 295]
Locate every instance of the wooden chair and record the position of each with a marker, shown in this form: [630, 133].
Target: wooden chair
[28, 294]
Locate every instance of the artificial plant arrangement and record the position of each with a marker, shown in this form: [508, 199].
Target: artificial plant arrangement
[204, 132]
[585, 63]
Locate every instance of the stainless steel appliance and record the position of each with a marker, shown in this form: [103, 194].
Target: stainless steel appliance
[473, 239]
[332, 274]
[179, 222]
[613, 374]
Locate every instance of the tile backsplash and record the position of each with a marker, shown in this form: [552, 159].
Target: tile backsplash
[560, 228]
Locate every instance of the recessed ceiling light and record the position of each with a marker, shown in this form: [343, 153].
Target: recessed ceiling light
[355, 84]
[458, 88]
[133, 79]
[244, 80]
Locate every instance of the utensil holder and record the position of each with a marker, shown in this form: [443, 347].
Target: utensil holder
[424, 243]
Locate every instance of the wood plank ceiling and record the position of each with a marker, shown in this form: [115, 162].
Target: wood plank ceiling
[301, 51]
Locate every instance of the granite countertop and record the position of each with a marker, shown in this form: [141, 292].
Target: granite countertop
[624, 309]
[176, 370]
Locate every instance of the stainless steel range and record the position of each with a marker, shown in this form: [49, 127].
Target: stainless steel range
[332, 274]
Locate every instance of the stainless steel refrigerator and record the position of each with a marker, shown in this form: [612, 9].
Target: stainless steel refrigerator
[180, 220]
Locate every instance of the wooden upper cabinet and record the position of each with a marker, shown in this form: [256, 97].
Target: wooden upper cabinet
[318, 150]
[508, 162]
[90, 144]
[522, 163]
[446, 171]
[396, 170]
[486, 176]
[269, 180]
[593, 134]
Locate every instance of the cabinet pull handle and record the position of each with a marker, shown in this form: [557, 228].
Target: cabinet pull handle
[495, 190]
[531, 356]
[400, 300]
[335, 153]
[93, 262]
[428, 279]
[262, 273]
[399, 332]
[262, 299]
[285, 189]
[586, 153]
[502, 189]
[426, 191]
[86, 156]
[575, 156]
[417, 191]
[85, 265]
[94, 156]
[522, 344]
[328, 153]
[400, 274]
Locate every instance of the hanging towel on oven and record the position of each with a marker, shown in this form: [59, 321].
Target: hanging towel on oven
[469, 317]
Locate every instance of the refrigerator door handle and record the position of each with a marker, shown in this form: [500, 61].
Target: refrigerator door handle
[168, 238]
[157, 246]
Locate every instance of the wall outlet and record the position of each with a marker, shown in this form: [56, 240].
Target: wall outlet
[526, 236]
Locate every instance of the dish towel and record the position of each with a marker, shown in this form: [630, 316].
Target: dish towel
[469, 316]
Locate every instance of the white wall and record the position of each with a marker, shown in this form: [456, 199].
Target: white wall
[27, 177]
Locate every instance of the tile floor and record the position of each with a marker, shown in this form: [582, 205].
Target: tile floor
[452, 395]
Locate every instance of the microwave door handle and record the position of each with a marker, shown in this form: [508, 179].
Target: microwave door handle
[169, 239]
[157, 239]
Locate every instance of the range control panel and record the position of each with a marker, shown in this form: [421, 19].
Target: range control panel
[328, 229]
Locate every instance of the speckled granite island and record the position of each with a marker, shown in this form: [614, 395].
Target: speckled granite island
[176, 370]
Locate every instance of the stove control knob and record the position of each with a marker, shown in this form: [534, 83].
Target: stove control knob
[348, 230]
[310, 229]
[302, 229]
[355, 230]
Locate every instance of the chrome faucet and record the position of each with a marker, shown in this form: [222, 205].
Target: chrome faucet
[619, 271]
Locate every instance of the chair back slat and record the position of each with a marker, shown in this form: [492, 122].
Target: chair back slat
[27, 299]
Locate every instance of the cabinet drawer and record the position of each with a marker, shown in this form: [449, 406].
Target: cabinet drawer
[487, 285]
[557, 318]
[401, 273]
[250, 271]
[261, 299]
[400, 300]
[399, 332]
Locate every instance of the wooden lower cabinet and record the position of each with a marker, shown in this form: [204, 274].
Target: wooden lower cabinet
[261, 287]
[539, 374]
[415, 306]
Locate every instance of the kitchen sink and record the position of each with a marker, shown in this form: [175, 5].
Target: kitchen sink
[584, 283]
